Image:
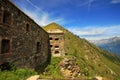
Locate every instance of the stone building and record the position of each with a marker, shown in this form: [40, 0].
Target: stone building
[22, 41]
[56, 37]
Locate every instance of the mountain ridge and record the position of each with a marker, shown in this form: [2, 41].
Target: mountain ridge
[110, 44]
[92, 60]
[102, 41]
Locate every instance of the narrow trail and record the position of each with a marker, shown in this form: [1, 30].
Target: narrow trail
[35, 77]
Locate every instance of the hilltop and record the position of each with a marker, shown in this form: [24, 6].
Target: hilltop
[91, 60]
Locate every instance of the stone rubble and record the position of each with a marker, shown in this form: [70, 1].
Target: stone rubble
[69, 68]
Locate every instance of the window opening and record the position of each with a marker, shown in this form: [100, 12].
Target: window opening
[27, 27]
[50, 38]
[5, 47]
[56, 52]
[51, 45]
[6, 17]
[56, 39]
[38, 47]
[56, 46]
[1, 15]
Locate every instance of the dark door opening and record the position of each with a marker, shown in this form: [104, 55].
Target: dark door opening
[5, 47]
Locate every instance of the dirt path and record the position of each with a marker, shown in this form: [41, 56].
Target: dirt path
[35, 77]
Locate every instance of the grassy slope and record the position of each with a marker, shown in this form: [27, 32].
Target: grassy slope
[91, 59]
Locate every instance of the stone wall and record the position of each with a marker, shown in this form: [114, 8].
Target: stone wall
[22, 41]
[56, 38]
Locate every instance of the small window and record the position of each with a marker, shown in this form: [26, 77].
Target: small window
[50, 38]
[51, 45]
[27, 27]
[38, 47]
[5, 47]
[56, 46]
[7, 17]
[56, 39]
[56, 52]
[1, 15]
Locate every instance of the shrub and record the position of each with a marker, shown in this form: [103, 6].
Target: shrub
[24, 73]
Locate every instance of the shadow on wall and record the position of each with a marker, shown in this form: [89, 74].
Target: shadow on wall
[7, 66]
[41, 68]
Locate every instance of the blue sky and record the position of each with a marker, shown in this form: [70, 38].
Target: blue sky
[90, 19]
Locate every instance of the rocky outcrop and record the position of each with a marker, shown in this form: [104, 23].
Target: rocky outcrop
[69, 68]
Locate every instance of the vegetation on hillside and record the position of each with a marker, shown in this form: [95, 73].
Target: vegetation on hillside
[92, 60]
[52, 70]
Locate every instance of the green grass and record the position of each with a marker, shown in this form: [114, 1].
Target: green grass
[52, 70]
[19, 74]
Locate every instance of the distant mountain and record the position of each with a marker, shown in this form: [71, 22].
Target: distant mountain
[92, 60]
[111, 44]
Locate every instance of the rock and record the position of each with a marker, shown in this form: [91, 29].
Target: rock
[35, 77]
[69, 67]
[97, 78]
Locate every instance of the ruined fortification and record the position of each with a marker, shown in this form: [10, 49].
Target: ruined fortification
[56, 37]
[22, 41]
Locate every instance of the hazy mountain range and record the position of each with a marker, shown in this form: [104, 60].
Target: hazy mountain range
[111, 44]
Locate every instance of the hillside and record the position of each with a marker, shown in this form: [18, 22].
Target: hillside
[91, 60]
[111, 44]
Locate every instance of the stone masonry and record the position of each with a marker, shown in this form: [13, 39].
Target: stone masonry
[56, 38]
[22, 41]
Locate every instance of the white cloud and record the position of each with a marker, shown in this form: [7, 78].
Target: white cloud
[95, 33]
[39, 16]
[45, 19]
[90, 4]
[42, 18]
[88, 30]
[115, 1]
[87, 3]
[33, 4]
